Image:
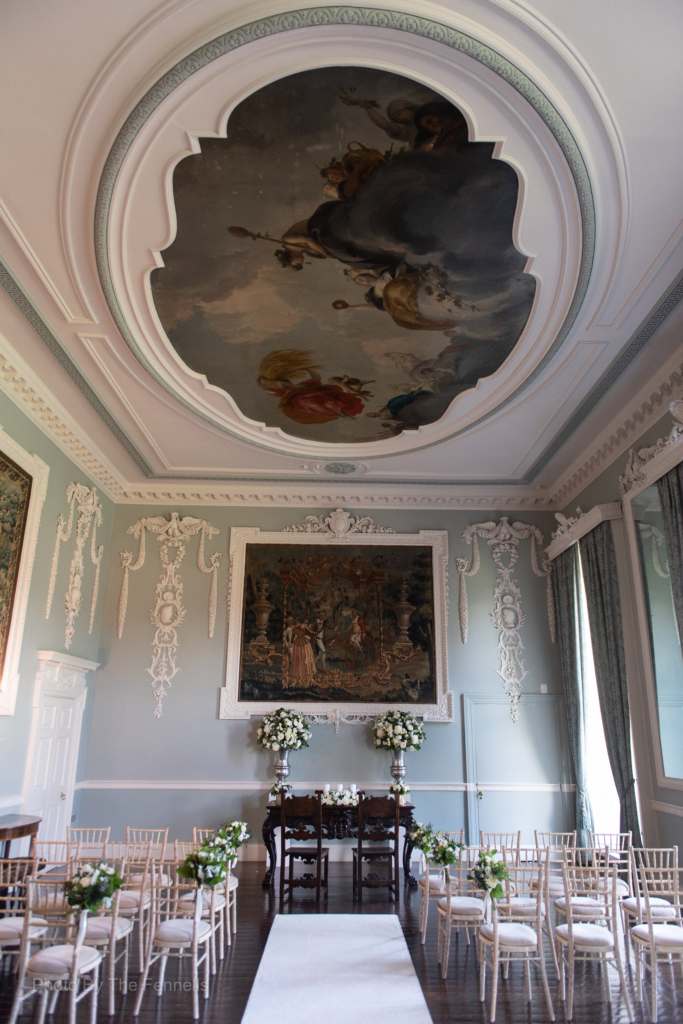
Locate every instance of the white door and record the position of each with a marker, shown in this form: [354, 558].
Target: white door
[50, 793]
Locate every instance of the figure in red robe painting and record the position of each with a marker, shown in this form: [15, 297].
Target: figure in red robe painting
[303, 659]
[310, 401]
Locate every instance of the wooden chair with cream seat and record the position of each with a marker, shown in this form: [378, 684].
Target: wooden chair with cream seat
[461, 906]
[92, 842]
[135, 901]
[659, 934]
[175, 935]
[616, 847]
[227, 888]
[587, 907]
[156, 837]
[632, 908]
[432, 882]
[511, 841]
[14, 875]
[214, 904]
[104, 932]
[62, 963]
[557, 843]
[582, 940]
[56, 863]
[515, 933]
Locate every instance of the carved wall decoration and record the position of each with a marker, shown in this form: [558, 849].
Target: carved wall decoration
[648, 531]
[84, 501]
[339, 524]
[507, 616]
[638, 460]
[168, 611]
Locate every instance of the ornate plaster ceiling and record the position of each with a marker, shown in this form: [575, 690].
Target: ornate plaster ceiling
[594, 220]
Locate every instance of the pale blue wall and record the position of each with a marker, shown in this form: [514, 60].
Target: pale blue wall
[40, 634]
[190, 743]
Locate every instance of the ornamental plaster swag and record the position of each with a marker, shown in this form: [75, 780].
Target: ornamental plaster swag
[89, 515]
[507, 615]
[168, 612]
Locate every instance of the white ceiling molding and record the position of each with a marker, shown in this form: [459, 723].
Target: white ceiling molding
[572, 530]
[646, 408]
[646, 465]
[27, 391]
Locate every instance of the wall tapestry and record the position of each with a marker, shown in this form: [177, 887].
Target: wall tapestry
[85, 500]
[15, 493]
[344, 265]
[168, 612]
[334, 613]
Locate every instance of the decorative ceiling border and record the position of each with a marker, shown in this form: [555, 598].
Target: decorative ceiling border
[24, 304]
[28, 393]
[324, 17]
[645, 332]
[648, 407]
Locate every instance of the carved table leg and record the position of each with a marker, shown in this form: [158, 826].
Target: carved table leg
[271, 847]
[408, 847]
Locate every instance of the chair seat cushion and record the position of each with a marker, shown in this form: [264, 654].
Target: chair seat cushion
[555, 885]
[131, 900]
[520, 906]
[659, 908]
[55, 961]
[582, 906]
[510, 934]
[622, 887]
[435, 879]
[186, 903]
[178, 932]
[99, 928]
[586, 935]
[463, 906]
[136, 881]
[666, 936]
[11, 928]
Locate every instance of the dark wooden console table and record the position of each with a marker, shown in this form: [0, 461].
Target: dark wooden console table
[338, 823]
[17, 826]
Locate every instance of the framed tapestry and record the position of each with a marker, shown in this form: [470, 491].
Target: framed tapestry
[23, 483]
[337, 618]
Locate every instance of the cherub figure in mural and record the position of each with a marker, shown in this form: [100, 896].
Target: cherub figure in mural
[302, 665]
[311, 401]
[345, 177]
[399, 121]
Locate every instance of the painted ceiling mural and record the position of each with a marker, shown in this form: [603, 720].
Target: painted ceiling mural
[344, 264]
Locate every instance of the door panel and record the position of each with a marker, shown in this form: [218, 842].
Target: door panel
[54, 759]
[515, 770]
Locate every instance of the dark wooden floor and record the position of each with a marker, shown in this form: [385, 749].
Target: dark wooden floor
[454, 1000]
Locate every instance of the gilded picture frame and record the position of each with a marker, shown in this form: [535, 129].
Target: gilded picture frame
[339, 619]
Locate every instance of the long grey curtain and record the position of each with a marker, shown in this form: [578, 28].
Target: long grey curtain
[670, 488]
[566, 589]
[604, 615]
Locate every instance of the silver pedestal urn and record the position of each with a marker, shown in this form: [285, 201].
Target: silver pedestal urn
[282, 764]
[398, 769]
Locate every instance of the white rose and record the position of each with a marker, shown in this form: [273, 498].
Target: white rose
[85, 882]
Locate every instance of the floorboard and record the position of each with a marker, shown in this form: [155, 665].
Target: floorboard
[454, 1000]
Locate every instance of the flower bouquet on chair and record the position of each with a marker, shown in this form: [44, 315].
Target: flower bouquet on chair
[444, 853]
[92, 887]
[488, 873]
[207, 865]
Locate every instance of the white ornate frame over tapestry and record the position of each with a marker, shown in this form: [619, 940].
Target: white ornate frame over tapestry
[339, 619]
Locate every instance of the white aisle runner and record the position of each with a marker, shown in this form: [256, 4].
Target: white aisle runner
[336, 968]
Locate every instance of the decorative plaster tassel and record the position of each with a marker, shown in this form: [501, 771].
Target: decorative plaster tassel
[463, 571]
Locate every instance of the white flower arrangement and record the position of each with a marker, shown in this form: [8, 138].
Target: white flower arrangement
[228, 839]
[422, 836]
[398, 730]
[488, 873]
[278, 788]
[340, 798]
[207, 865]
[93, 886]
[401, 788]
[283, 729]
[444, 852]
